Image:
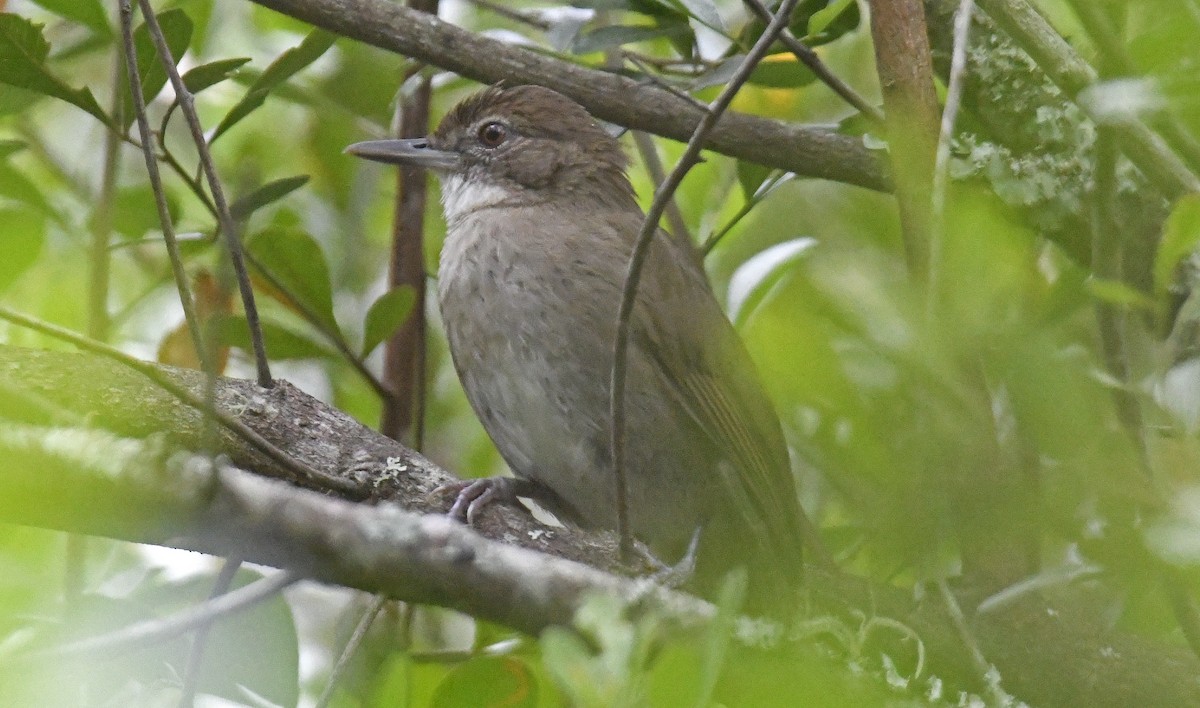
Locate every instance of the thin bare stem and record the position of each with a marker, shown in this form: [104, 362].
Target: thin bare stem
[302, 471]
[649, 153]
[142, 634]
[651, 78]
[356, 638]
[978, 660]
[761, 193]
[187, 103]
[191, 675]
[809, 58]
[642, 247]
[160, 200]
[331, 334]
[941, 165]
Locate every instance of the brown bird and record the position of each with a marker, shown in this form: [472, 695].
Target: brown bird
[541, 220]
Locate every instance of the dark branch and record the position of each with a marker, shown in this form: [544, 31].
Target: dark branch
[137, 490]
[617, 99]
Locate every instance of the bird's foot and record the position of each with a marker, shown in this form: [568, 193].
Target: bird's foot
[672, 576]
[472, 495]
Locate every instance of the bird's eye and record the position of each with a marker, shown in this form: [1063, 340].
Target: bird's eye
[492, 134]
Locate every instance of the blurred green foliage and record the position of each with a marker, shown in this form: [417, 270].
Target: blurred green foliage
[973, 424]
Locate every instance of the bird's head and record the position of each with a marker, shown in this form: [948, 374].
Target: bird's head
[515, 145]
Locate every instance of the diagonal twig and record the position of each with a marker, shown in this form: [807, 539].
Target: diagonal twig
[160, 200]
[141, 634]
[356, 639]
[258, 442]
[187, 103]
[641, 248]
[809, 58]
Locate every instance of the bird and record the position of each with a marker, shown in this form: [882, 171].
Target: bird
[541, 220]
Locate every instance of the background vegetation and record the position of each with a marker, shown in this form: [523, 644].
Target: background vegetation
[1016, 417]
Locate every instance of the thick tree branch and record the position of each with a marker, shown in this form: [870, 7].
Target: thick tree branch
[137, 490]
[905, 69]
[1071, 73]
[93, 482]
[618, 99]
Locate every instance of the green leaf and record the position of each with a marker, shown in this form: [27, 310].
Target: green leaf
[89, 13]
[1181, 235]
[386, 315]
[8, 147]
[16, 186]
[281, 342]
[135, 213]
[177, 31]
[488, 681]
[23, 52]
[785, 73]
[822, 20]
[264, 195]
[1118, 293]
[283, 68]
[617, 35]
[296, 263]
[255, 652]
[205, 75]
[754, 279]
[704, 12]
[21, 242]
[751, 176]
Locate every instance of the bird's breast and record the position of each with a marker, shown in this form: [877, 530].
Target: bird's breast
[529, 328]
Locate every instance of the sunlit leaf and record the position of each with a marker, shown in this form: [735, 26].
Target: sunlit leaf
[565, 26]
[23, 52]
[135, 212]
[1181, 235]
[836, 11]
[1118, 293]
[755, 277]
[488, 681]
[782, 71]
[89, 13]
[705, 12]
[16, 186]
[283, 68]
[386, 315]
[205, 75]
[21, 241]
[296, 265]
[264, 195]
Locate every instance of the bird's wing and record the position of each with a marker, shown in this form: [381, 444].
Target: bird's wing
[704, 364]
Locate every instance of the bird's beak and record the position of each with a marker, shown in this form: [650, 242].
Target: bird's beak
[415, 152]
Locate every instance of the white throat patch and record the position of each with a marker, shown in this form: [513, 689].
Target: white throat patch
[460, 197]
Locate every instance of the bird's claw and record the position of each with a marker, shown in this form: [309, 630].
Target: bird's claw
[471, 496]
[673, 576]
